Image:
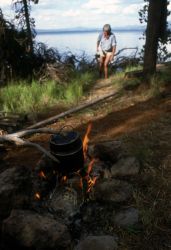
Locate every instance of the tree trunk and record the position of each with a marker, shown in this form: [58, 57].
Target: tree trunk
[153, 33]
[29, 33]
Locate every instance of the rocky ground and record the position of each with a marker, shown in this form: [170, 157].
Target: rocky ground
[67, 216]
[129, 206]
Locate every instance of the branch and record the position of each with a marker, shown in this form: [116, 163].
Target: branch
[119, 59]
[16, 140]
[41, 149]
[121, 50]
[34, 131]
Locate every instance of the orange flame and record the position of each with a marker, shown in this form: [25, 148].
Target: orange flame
[37, 196]
[42, 175]
[81, 183]
[91, 183]
[86, 140]
[90, 180]
[90, 166]
[64, 179]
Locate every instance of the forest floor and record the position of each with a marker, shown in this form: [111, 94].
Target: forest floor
[143, 123]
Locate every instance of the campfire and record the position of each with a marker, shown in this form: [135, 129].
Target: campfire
[83, 196]
[78, 154]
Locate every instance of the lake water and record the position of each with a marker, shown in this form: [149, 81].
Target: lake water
[77, 42]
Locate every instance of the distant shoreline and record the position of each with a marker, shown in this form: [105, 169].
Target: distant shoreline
[53, 32]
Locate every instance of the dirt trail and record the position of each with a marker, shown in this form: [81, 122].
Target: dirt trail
[110, 119]
[101, 88]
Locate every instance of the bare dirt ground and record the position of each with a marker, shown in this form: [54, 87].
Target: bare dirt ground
[144, 126]
[111, 119]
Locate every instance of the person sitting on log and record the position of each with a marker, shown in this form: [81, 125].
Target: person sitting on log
[106, 47]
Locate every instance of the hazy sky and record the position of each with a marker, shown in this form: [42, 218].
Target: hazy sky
[80, 13]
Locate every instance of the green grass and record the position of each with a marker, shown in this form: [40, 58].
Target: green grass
[22, 97]
[78, 86]
[120, 80]
[156, 83]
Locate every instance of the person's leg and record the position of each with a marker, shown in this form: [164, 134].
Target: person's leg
[106, 63]
[101, 65]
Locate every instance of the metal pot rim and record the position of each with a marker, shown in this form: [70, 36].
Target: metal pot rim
[67, 143]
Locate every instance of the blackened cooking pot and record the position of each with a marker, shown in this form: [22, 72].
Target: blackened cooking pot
[67, 147]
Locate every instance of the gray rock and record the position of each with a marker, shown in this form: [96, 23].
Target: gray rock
[105, 242]
[112, 191]
[126, 218]
[126, 167]
[107, 174]
[64, 202]
[106, 151]
[75, 183]
[34, 231]
[44, 163]
[15, 189]
[98, 169]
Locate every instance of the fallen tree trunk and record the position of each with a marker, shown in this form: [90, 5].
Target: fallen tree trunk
[73, 110]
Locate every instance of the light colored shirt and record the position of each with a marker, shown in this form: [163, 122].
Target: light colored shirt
[106, 44]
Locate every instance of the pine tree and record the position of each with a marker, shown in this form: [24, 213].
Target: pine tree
[24, 20]
[156, 31]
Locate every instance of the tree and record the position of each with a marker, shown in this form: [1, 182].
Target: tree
[25, 22]
[9, 49]
[15, 61]
[2, 32]
[156, 31]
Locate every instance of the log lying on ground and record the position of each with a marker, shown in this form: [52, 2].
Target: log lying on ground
[53, 119]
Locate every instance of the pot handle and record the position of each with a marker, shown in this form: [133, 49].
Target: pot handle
[61, 131]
